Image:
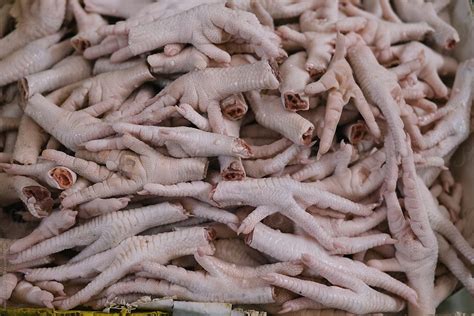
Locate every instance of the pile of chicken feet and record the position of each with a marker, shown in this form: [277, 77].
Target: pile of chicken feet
[279, 154]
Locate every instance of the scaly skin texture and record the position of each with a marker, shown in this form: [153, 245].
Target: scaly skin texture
[272, 8]
[454, 128]
[206, 26]
[193, 142]
[417, 249]
[56, 288]
[450, 259]
[355, 171]
[236, 251]
[99, 207]
[358, 181]
[30, 140]
[105, 232]
[148, 14]
[131, 252]
[34, 57]
[34, 19]
[108, 90]
[138, 165]
[433, 65]
[81, 126]
[270, 242]
[263, 167]
[356, 298]
[325, 166]
[27, 293]
[36, 198]
[269, 112]
[319, 48]
[341, 86]
[187, 60]
[382, 34]
[50, 226]
[67, 71]
[291, 201]
[204, 89]
[216, 285]
[117, 8]
[5, 251]
[87, 25]
[444, 34]
[380, 87]
[294, 79]
[8, 283]
[49, 173]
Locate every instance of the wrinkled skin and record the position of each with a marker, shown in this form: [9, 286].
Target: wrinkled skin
[206, 26]
[34, 19]
[341, 87]
[138, 166]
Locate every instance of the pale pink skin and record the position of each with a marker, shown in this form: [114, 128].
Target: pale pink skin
[319, 47]
[139, 166]
[214, 286]
[27, 293]
[222, 275]
[99, 207]
[275, 9]
[202, 91]
[382, 34]
[135, 151]
[36, 56]
[56, 223]
[433, 65]
[203, 29]
[187, 60]
[444, 34]
[117, 8]
[226, 193]
[8, 283]
[193, 142]
[34, 19]
[357, 298]
[148, 14]
[4, 253]
[85, 126]
[55, 288]
[67, 71]
[325, 166]
[30, 140]
[294, 79]
[87, 24]
[382, 9]
[92, 234]
[236, 251]
[380, 87]
[56, 177]
[270, 242]
[341, 86]
[107, 91]
[36, 198]
[134, 250]
[269, 112]
[269, 150]
[263, 167]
